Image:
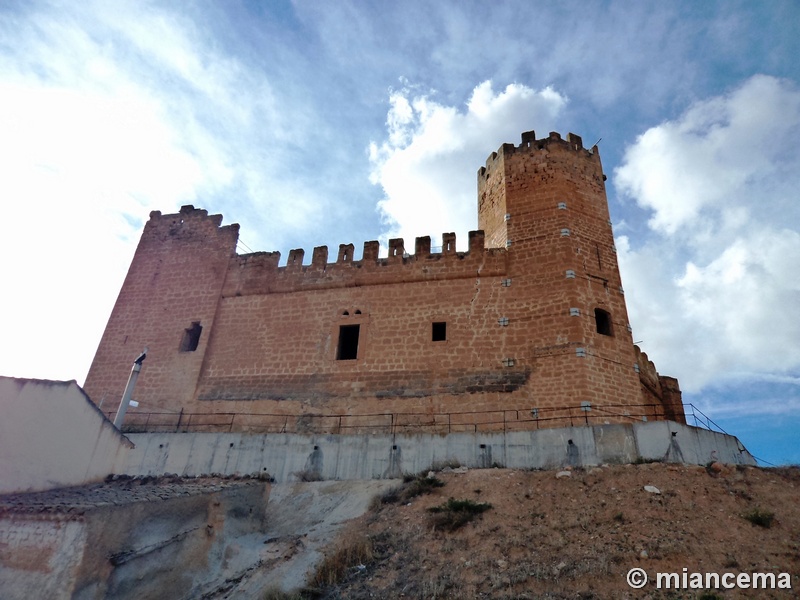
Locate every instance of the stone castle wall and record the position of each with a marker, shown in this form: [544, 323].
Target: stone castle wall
[518, 332]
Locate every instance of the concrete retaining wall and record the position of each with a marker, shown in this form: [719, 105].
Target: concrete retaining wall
[52, 435]
[288, 457]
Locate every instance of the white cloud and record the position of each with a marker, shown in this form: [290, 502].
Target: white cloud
[692, 170]
[784, 405]
[109, 112]
[427, 165]
[713, 293]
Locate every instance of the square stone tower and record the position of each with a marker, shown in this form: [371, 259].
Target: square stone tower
[545, 201]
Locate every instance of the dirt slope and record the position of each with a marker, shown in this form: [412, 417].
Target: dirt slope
[301, 518]
[577, 536]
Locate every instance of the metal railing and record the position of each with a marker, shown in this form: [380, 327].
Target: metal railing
[695, 416]
[404, 422]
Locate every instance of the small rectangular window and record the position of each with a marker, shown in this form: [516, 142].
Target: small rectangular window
[439, 332]
[348, 342]
[603, 320]
[191, 337]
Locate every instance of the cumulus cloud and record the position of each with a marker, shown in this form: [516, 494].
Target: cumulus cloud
[713, 293]
[427, 164]
[109, 112]
[691, 170]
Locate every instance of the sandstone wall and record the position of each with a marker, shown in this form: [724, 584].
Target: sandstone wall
[520, 331]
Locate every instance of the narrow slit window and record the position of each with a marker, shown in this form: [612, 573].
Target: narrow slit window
[439, 332]
[348, 342]
[191, 337]
[603, 321]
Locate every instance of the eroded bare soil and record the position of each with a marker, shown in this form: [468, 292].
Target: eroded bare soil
[577, 536]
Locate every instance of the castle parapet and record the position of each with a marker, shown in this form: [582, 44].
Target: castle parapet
[370, 253]
[345, 253]
[477, 241]
[529, 142]
[320, 257]
[448, 243]
[659, 388]
[259, 273]
[191, 225]
[295, 260]
[396, 250]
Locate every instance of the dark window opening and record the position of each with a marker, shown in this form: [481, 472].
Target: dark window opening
[439, 332]
[348, 342]
[603, 320]
[191, 337]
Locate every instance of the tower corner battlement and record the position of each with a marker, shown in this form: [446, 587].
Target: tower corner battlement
[190, 224]
[529, 142]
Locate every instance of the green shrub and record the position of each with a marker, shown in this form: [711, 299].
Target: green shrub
[454, 513]
[762, 518]
[413, 486]
[390, 496]
[420, 486]
[640, 460]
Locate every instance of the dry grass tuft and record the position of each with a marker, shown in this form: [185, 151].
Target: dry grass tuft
[352, 552]
[413, 486]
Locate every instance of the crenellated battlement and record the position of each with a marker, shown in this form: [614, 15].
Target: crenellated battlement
[260, 273]
[529, 144]
[516, 181]
[190, 224]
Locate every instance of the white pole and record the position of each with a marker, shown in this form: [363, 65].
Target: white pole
[126, 397]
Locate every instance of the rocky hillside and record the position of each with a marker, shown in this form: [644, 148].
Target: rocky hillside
[573, 534]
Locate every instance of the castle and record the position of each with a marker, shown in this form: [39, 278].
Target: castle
[527, 329]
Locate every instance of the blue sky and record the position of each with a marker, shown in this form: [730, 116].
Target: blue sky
[314, 123]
